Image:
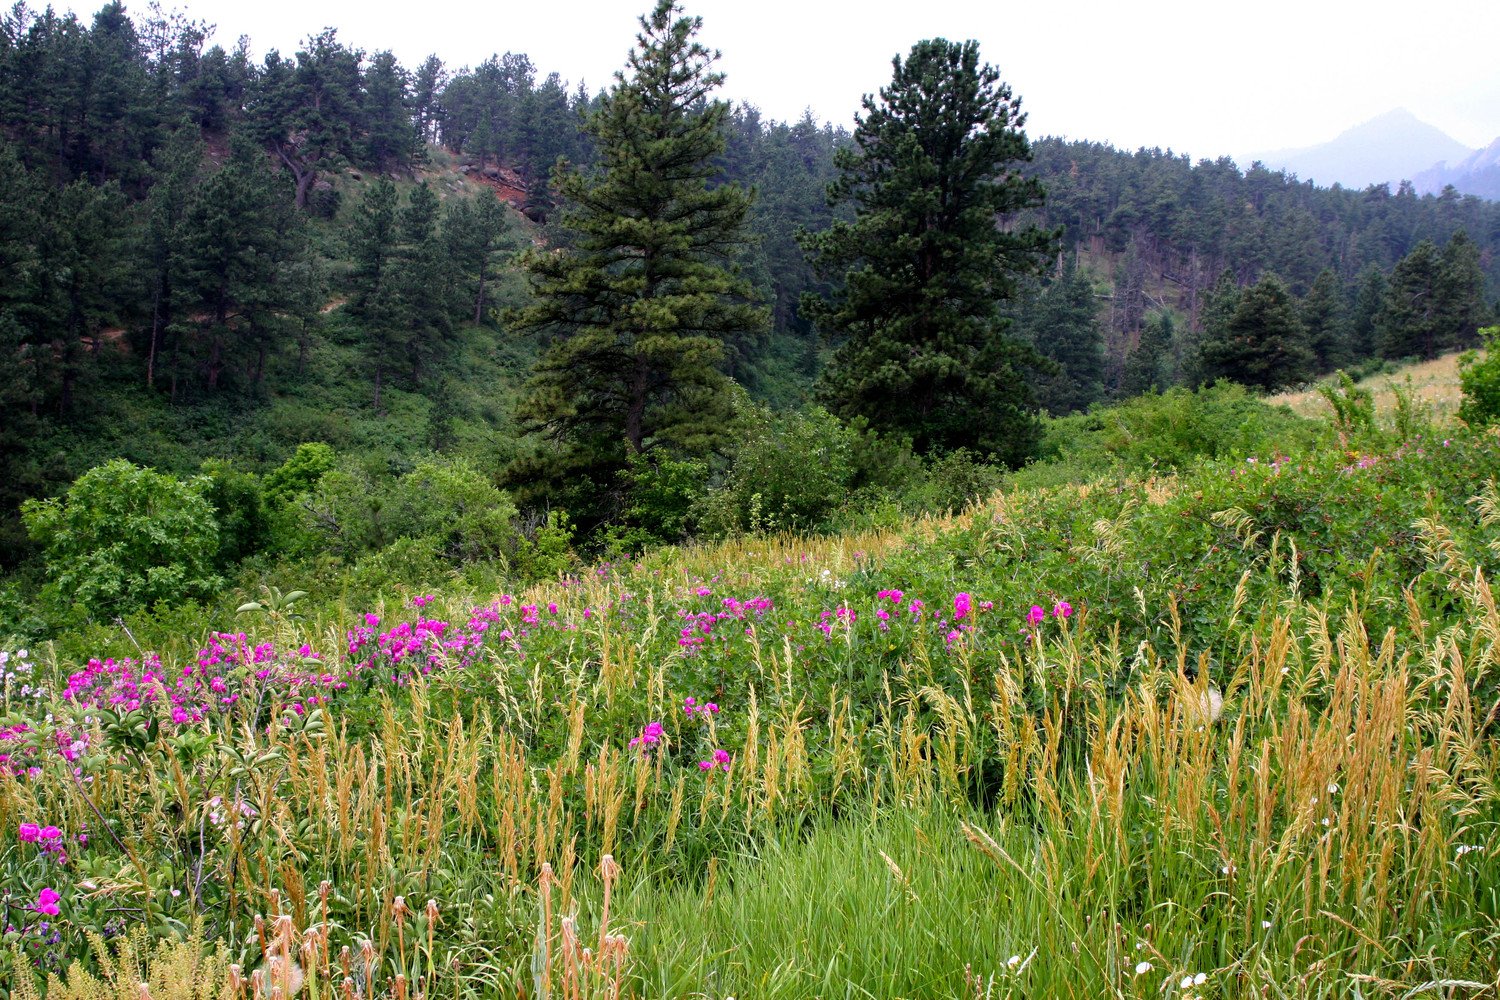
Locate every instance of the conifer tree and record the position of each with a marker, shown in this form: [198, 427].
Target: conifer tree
[1364, 332]
[1146, 368]
[1323, 319]
[925, 262]
[640, 303]
[1263, 344]
[1410, 320]
[1063, 323]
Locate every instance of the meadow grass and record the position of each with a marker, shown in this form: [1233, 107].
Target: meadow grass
[1256, 757]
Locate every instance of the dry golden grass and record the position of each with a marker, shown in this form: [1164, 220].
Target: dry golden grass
[1434, 382]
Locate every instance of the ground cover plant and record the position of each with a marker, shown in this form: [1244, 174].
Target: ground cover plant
[1227, 732]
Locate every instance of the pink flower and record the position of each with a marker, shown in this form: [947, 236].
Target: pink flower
[30, 833]
[1035, 615]
[1062, 609]
[961, 605]
[46, 902]
[51, 833]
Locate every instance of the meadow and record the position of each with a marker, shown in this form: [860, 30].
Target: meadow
[1225, 732]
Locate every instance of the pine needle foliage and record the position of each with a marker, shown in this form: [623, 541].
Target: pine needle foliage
[926, 260]
[640, 300]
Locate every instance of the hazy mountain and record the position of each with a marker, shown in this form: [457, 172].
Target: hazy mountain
[1394, 147]
[1476, 174]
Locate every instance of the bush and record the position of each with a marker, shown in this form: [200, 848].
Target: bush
[299, 474]
[445, 501]
[450, 502]
[790, 472]
[125, 536]
[1177, 429]
[659, 497]
[1479, 378]
[240, 510]
[954, 481]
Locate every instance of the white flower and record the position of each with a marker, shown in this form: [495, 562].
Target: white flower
[1013, 961]
[1463, 849]
[1187, 982]
[1265, 925]
[1141, 968]
[1332, 788]
[1200, 979]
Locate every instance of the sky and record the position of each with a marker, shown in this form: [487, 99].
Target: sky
[1206, 78]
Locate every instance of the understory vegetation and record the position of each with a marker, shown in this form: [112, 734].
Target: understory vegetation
[1225, 729]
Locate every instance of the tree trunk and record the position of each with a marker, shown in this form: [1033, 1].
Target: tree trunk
[635, 417]
[155, 324]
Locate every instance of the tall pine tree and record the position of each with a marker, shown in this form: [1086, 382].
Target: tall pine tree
[926, 263]
[640, 303]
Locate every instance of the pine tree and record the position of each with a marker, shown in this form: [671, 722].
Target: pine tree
[1147, 367]
[244, 260]
[372, 244]
[1323, 319]
[1063, 324]
[925, 262]
[1263, 344]
[477, 232]
[640, 303]
[1364, 332]
[1461, 291]
[1411, 321]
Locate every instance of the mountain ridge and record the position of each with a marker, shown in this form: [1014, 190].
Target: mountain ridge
[1387, 149]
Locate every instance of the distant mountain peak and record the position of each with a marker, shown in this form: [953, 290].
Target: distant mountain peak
[1477, 174]
[1387, 149]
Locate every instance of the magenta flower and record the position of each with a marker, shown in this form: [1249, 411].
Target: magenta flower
[51, 833]
[1035, 615]
[30, 833]
[1062, 609]
[961, 606]
[46, 902]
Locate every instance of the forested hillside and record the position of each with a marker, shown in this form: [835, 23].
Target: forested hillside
[209, 256]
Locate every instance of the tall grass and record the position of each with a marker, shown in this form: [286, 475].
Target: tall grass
[1286, 807]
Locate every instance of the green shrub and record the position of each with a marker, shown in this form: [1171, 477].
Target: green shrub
[299, 474]
[790, 472]
[953, 481]
[444, 500]
[125, 536]
[659, 498]
[1479, 378]
[450, 502]
[1177, 429]
[239, 507]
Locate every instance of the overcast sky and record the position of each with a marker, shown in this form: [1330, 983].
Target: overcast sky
[1205, 77]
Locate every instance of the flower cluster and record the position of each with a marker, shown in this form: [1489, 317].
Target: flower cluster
[699, 626]
[842, 616]
[49, 839]
[721, 759]
[19, 745]
[651, 735]
[219, 814]
[691, 708]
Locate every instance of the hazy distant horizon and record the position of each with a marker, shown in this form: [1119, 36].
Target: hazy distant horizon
[1168, 73]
